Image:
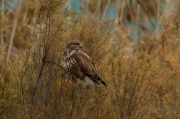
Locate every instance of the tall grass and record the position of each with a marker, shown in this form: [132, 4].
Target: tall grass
[142, 78]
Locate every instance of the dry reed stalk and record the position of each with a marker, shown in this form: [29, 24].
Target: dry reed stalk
[137, 21]
[98, 10]
[2, 13]
[13, 30]
[121, 11]
[106, 9]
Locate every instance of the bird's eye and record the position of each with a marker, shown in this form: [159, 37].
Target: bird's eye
[76, 43]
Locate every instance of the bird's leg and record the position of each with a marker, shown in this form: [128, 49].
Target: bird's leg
[88, 87]
[74, 80]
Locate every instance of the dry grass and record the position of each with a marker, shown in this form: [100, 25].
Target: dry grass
[142, 78]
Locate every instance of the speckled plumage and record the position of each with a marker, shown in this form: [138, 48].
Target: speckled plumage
[79, 65]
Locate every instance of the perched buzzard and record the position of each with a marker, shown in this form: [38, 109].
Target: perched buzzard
[79, 65]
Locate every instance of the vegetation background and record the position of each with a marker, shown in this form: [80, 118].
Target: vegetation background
[136, 52]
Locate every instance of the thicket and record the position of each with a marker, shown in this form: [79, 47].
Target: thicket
[142, 77]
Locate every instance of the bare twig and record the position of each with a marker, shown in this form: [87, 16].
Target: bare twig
[54, 63]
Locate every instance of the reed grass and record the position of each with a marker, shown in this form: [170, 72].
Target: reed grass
[142, 77]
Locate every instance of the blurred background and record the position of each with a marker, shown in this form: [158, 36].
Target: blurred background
[138, 20]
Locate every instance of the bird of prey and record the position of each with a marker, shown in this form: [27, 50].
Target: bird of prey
[79, 65]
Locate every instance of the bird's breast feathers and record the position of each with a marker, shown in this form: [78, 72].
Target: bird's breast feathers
[70, 53]
[68, 60]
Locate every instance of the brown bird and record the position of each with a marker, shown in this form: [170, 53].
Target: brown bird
[79, 65]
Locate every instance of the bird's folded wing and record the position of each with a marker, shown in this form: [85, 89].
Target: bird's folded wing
[86, 64]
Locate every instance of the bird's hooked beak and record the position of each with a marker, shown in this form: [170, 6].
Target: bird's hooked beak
[80, 46]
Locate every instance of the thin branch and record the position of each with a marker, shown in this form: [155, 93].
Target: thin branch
[54, 63]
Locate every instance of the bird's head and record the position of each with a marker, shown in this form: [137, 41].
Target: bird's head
[74, 45]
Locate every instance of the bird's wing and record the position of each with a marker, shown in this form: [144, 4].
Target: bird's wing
[86, 64]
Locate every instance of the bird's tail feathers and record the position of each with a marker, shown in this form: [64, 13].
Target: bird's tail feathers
[99, 79]
[96, 81]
